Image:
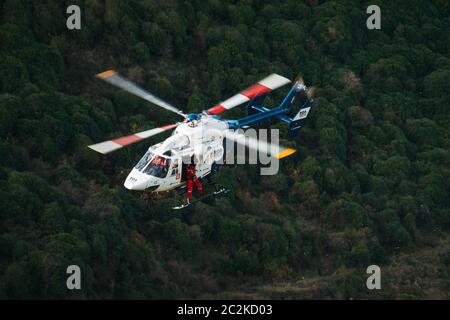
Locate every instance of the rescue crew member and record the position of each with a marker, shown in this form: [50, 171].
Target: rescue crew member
[192, 179]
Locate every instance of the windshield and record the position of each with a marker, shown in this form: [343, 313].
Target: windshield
[153, 165]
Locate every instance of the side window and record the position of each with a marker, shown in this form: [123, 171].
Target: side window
[174, 167]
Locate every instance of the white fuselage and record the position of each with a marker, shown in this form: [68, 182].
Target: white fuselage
[161, 168]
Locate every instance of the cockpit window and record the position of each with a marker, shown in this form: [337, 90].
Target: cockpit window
[154, 165]
[158, 167]
[144, 160]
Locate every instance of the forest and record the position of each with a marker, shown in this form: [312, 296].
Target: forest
[369, 183]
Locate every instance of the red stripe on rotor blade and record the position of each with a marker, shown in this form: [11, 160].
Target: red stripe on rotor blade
[216, 110]
[127, 140]
[255, 90]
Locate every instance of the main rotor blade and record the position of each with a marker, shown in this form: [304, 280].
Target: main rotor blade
[264, 86]
[112, 145]
[272, 149]
[115, 79]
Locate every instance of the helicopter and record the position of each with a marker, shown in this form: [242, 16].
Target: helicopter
[201, 137]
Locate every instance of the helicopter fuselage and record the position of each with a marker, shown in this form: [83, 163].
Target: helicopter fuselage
[161, 167]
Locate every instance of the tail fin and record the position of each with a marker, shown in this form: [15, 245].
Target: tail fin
[298, 120]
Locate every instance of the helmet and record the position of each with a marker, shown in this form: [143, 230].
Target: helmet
[192, 116]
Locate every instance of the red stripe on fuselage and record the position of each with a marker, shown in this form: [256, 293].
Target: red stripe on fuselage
[127, 140]
[255, 90]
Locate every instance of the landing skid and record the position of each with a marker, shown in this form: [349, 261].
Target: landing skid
[219, 190]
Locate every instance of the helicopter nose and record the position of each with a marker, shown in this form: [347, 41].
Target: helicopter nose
[135, 184]
[136, 181]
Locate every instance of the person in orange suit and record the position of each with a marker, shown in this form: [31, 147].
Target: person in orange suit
[191, 180]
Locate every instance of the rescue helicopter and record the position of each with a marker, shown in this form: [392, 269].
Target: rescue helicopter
[201, 137]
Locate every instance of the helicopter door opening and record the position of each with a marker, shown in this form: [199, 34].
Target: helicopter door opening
[186, 160]
[175, 173]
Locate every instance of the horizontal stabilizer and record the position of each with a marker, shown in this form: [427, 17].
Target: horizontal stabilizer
[272, 149]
